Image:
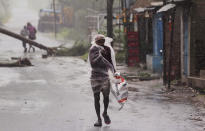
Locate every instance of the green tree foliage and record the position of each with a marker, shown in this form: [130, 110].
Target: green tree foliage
[82, 8]
[84, 4]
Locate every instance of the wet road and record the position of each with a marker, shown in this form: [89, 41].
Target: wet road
[55, 95]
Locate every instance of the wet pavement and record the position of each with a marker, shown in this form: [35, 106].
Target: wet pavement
[55, 95]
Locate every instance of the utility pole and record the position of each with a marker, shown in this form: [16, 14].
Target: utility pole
[119, 20]
[54, 11]
[110, 18]
[172, 17]
[164, 49]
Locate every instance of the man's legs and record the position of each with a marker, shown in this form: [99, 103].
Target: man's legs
[97, 108]
[106, 93]
[97, 104]
[33, 49]
[106, 102]
[24, 46]
[29, 48]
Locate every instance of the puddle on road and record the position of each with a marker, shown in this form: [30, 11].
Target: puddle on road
[31, 106]
[21, 106]
[7, 75]
[157, 98]
[106, 128]
[40, 82]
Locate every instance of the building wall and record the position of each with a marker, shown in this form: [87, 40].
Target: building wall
[145, 37]
[197, 43]
[157, 43]
[185, 31]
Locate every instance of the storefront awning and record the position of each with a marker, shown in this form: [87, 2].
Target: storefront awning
[141, 10]
[166, 8]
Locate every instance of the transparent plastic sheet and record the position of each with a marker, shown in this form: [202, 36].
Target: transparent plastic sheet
[112, 67]
[118, 83]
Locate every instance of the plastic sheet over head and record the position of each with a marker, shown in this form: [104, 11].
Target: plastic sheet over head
[107, 43]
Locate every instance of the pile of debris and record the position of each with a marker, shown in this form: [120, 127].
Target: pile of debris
[21, 62]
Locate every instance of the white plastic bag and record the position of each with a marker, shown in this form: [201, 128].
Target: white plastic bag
[119, 90]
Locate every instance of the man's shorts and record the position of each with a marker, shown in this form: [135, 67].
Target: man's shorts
[101, 86]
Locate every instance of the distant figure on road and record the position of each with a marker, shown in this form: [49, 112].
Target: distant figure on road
[32, 34]
[101, 60]
[24, 33]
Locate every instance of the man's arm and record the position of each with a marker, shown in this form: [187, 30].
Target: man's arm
[97, 59]
[110, 58]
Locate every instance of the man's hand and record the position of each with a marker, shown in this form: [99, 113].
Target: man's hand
[102, 51]
[117, 74]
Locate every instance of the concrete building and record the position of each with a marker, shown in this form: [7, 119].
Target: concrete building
[178, 41]
[193, 44]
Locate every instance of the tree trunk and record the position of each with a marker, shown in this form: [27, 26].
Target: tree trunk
[33, 43]
[110, 18]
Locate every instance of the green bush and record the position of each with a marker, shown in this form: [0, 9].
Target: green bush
[63, 33]
[78, 49]
[120, 39]
[144, 74]
[121, 56]
[71, 34]
[102, 32]
[119, 36]
[85, 56]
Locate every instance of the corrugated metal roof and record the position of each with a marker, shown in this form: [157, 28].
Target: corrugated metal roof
[175, 0]
[144, 3]
[166, 8]
[140, 10]
[160, 3]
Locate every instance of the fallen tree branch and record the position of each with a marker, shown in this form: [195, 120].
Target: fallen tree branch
[50, 51]
[19, 63]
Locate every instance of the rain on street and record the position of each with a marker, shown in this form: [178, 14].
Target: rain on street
[55, 93]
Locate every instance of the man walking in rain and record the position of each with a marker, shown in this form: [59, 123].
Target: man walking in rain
[101, 57]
